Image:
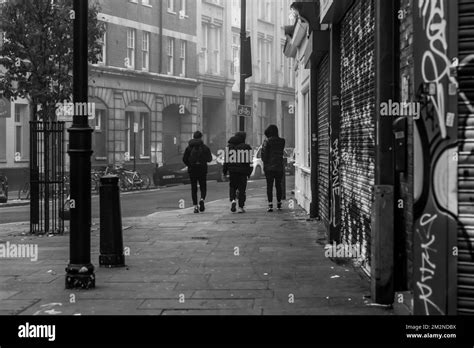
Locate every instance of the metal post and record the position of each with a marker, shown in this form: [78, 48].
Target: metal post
[134, 149]
[80, 271]
[243, 36]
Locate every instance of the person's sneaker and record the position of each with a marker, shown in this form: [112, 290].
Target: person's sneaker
[196, 209]
[201, 205]
[233, 207]
[270, 208]
[241, 210]
[279, 205]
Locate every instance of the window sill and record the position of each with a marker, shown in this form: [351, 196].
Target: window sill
[147, 5]
[101, 158]
[171, 12]
[144, 157]
[214, 4]
[22, 161]
[265, 21]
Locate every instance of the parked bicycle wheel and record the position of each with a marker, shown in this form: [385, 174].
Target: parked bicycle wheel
[24, 192]
[146, 181]
[124, 183]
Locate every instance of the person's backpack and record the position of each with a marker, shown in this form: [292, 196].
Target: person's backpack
[196, 155]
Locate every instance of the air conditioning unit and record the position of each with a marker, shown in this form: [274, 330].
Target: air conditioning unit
[181, 14]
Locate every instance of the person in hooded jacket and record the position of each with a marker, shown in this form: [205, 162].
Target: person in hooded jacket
[272, 157]
[196, 156]
[239, 169]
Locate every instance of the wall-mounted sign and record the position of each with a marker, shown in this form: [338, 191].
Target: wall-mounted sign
[4, 108]
[244, 110]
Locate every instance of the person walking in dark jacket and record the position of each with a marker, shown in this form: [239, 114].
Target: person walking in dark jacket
[196, 156]
[237, 164]
[272, 157]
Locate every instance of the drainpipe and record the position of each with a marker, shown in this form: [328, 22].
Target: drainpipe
[160, 64]
[383, 214]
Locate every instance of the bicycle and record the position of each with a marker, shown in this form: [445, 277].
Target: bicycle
[3, 188]
[96, 174]
[130, 180]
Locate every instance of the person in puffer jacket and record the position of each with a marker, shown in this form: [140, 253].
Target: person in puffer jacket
[237, 164]
[272, 157]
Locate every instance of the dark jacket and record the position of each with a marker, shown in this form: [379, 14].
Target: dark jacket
[197, 169]
[240, 162]
[272, 154]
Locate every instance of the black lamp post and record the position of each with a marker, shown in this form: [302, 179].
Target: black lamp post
[243, 38]
[80, 271]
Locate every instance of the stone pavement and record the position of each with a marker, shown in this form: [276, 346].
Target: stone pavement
[184, 263]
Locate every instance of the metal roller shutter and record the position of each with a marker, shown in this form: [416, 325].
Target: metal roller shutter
[466, 159]
[357, 134]
[323, 139]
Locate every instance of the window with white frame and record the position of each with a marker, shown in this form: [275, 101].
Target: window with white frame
[170, 56]
[22, 148]
[145, 51]
[143, 134]
[268, 11]
[261, 9]
[99, 137]
[103, 43]
[182, 57]
[204, 48]
[235, 65]
[171, 6]
[269, 62]
[146, 2]
[183, 7]
[217, 51]
[131, 48]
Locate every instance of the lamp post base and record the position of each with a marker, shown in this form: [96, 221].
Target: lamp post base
[80, 277]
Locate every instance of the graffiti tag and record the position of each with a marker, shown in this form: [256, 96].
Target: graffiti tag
[434, 22]
[336, 188]
[428, 267]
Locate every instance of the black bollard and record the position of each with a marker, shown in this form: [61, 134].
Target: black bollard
[111, 242]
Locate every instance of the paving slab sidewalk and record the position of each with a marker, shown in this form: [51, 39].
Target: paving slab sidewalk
[182, 263]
